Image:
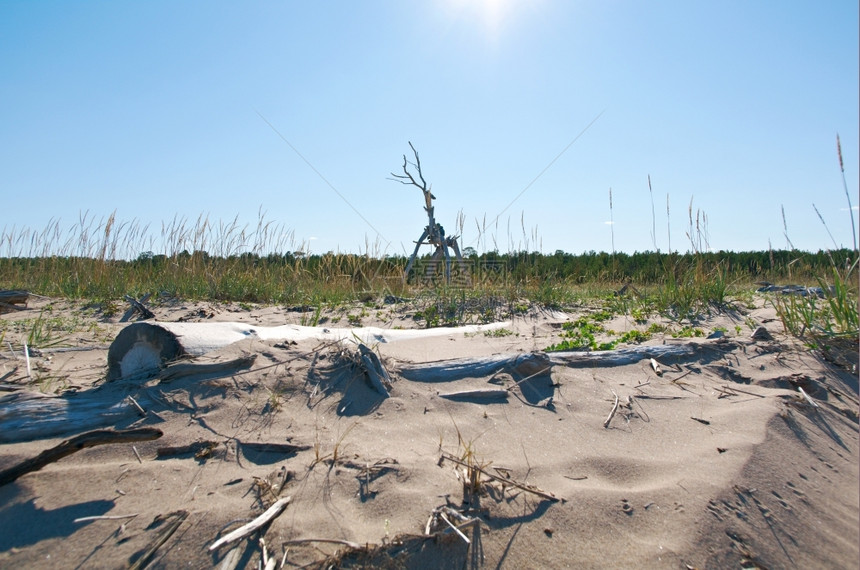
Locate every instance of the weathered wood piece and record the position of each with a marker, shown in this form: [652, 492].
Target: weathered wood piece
[375, 372]
[522, 363]
[621, 356]
[137, 307]
[144, 348]
[141, 349]
[486, 394]
[11, 300]
[271, 513]
[89, 439]
[176, 520]
[27, 416]
[182, 369]
[433, 234]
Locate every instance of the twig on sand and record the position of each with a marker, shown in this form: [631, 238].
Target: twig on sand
[701, 421]
[140, 409]
[612, 413]
[743, 391]
[529, 377]
[682, 375]
[480, 394]
[27, 360]
[503, 480]
[178, 518]
[454, 528]
[89, 439]
[656, 367]
[346, 543]
[806, 396]
[105, 518]
[444, 512]
[271, 513]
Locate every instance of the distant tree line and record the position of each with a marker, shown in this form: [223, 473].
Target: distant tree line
[640, 267]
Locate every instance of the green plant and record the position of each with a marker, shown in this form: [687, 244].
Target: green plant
[816, 319]
[634, 336]
[498, 333]
[688, 332]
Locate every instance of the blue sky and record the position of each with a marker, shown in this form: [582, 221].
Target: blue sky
[153, 110]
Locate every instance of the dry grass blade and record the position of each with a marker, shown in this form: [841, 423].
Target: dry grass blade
[505, 481]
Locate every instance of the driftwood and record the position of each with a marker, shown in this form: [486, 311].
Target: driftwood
[176, 519]
[528, 364]
[26, 416]
[89, 439]
[137, 307]
[524, 364]
[375, 371]
[182, 369]
[144, 348]
[479, 395]
[621, 356]
[10, 300]
[259, 522]
[433, 234]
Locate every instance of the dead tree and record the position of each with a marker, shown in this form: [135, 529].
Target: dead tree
[434, 233]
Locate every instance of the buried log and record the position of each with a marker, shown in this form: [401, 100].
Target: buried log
[535, 363]
[143, 348]
[480, 395]
[522, 363]
[10, 300]
[26, 416]
[89, 439]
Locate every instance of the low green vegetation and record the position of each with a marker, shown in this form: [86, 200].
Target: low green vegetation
[102, 261]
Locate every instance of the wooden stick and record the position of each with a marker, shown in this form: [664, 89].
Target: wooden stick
[178, 518]
[138, 306]
[808, 399]
[140, 409]
[682, 375]
[352, 545]
[371, 371]
[656, 367]
[105, 518]
[27, 359]
[89, 439]
[529, 377]
[481, 394]
[262, 520]
[612, 413]
[454, 528]
[743, 391]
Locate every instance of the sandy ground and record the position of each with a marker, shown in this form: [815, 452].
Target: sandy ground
[717, 463]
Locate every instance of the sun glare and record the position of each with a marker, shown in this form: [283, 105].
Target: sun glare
[492, 17]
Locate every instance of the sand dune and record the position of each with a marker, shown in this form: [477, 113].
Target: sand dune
[719, 462]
